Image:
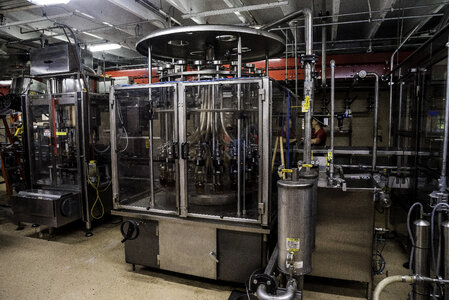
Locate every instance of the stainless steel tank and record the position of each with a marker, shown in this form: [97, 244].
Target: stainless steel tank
[445, 234]
[295, 226]
[311, 176]
[421, 264]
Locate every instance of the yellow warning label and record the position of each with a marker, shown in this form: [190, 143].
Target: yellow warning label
[329, 157]
[61, 133]
[147, 144]
[287, 171]
[306, 104]
[293, 244]
[307, 166]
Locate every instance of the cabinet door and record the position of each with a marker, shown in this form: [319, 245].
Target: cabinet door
[188, 249]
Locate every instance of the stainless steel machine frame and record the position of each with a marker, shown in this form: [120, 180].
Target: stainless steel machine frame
[212, 230]
[182, 202]
[65, 91]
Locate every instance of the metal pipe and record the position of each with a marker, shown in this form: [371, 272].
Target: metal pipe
[390, 116]
[442, 180]
[376, 113]
[239, 127]
[295, 31]
[288, 18]
[150, 133]
[288, 295]
[367, 21]
[406, 279]
[18, 23]
[323, 58]
[308, 86]
[331, 162]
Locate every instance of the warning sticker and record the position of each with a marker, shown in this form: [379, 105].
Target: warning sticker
[306, 104]
[299, 264]
[47, 133]
[292, 244]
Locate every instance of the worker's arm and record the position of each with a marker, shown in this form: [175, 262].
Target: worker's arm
[315, 141]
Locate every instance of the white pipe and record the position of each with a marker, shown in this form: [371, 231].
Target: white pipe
[389, 280]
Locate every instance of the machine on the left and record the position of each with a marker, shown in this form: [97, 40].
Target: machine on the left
[66, 138]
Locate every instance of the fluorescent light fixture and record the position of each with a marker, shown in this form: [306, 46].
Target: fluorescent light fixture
[49, 2]
[104, 47]
[93, 35]
[5, 82]
[109, 24]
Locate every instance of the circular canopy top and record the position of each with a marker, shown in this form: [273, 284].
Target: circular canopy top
[192, 43]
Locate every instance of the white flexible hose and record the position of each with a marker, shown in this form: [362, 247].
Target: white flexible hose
[389, 280]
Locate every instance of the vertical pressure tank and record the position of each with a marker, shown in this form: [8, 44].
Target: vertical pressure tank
[295, 226]
[421, 264]
[445, 233]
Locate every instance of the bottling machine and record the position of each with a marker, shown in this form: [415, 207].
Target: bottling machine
[190, 154]
[66, 138]
[192, 163]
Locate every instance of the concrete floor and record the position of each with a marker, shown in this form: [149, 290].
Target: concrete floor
[71, 266]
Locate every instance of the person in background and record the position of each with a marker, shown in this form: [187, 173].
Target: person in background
[319, 136]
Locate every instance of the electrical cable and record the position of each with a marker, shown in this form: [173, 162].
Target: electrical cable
[119, 109]
[98, 198]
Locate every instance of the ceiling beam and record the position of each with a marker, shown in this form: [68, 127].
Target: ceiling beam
[335, 12]
[140, 11]
[385, 7]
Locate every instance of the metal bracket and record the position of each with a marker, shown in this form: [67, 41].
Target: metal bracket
[261, 208]
[262, 94]
[308, 58]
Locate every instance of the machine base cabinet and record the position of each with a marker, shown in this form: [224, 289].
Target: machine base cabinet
[195, 249]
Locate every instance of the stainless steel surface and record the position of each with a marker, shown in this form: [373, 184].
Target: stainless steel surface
[295, 209]
[185, 248]
[421, 264]
[56, 59]
[344, 234]
[195, 38]
[445, 241]
[53, 208]
[312, 178]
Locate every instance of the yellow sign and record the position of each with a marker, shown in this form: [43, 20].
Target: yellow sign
[287, 171]
[307, 166]
[306, 104]
[61, 133]
[293, 245]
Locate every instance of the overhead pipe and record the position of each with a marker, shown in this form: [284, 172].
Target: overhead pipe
[369, 20]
